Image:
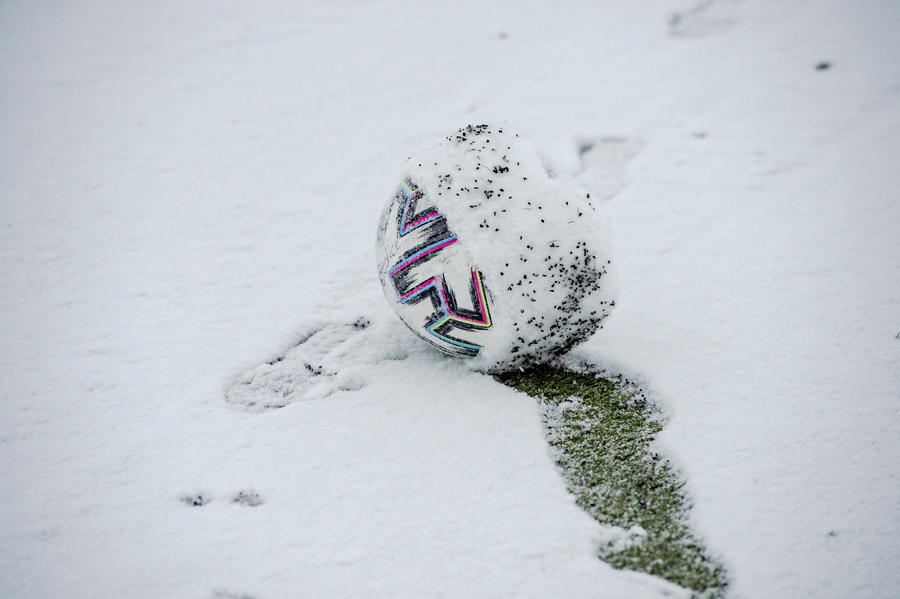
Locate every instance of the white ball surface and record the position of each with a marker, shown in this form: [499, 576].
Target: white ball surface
[488, 252]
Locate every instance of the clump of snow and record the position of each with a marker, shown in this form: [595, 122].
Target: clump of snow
[248, 498]
[196, 499]
[543, 248]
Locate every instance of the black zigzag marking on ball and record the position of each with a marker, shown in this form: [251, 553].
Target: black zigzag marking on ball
[404, 277]
[439, 311]
[436, 231]
[463, 312]
[408, 218]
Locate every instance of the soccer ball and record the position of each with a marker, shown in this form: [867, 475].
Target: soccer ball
[428, 277]
[486, 250]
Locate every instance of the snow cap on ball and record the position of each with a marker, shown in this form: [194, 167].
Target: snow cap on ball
[487, 251]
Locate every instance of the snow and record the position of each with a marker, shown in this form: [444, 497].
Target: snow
[187, 190]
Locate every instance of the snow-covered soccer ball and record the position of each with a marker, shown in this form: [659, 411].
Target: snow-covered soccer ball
[487, 251]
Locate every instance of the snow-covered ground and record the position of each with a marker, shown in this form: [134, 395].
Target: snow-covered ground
[189, 188]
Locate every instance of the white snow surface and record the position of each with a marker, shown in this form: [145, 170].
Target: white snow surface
[190, 189]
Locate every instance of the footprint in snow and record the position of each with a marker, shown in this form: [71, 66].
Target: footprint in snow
[604, 164]
[709, 17]
[326, 359]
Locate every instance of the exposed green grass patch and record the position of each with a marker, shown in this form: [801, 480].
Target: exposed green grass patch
[601, 431]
